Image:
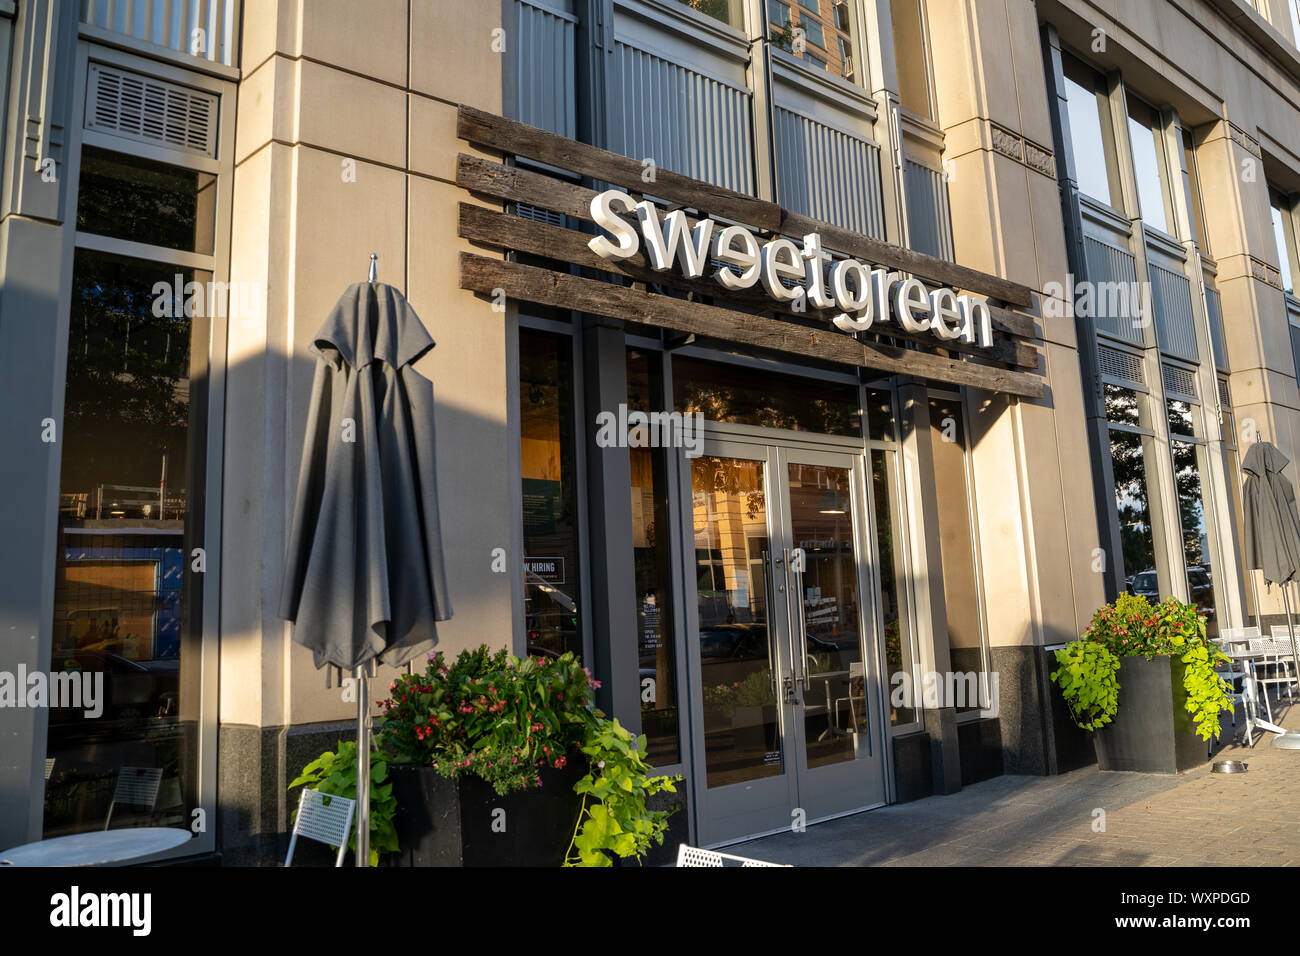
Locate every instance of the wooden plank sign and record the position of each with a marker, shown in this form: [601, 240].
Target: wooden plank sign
[794, 285]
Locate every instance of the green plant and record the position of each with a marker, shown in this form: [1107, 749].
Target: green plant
[335, 774]
[495, 716]
[754, 691]
[1132, 626]
[1087, 681]
[617, 821]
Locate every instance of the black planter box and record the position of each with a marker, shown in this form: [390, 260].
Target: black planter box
[1153, 732]
[464, 822]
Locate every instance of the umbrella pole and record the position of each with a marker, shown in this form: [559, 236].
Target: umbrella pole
[363, 769]
[1290, 627]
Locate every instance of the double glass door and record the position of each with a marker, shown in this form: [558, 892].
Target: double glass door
[783, 660]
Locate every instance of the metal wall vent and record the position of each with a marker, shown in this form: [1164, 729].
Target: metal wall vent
[1179, 382]
[149, 110]
[1122, 365]
[1225, 397]
[524, 211]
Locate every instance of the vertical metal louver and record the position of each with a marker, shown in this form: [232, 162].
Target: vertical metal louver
[1115, 363]
[148, 110]
[1225, 396]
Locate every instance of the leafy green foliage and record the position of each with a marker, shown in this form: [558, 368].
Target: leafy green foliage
[336, 774]
[1088, 683]
[1131, 626]
[618, 822]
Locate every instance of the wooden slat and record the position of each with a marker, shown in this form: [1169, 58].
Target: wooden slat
[536, 189]
[504, 231]
[509, 136]
[544, 287]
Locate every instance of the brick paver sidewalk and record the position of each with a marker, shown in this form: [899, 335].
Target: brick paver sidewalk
[1194, 819]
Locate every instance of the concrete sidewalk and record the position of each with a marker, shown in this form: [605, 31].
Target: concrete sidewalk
[1194, 819]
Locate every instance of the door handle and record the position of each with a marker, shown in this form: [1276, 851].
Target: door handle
[790, 683]
[801, 673]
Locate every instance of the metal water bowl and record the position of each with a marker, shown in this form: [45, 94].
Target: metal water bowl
[1229, 766]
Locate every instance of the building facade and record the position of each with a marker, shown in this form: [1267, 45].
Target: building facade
[189, 187]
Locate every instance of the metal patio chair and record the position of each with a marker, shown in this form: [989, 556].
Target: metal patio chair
[137, 787]
[324, 818]
[694, 856]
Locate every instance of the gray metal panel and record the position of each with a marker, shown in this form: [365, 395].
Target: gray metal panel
[1214, 307]
[1171, 298]
[828, 174]
[929, 222]
[1295, 344]
[683, 120]
[173, 24]
[1113, 314]
[545, 79]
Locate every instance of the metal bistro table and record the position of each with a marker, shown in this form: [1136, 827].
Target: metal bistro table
[1248, 659]
[98, 848]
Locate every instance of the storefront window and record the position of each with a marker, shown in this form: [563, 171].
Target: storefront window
[656, 638]
[552, 595]
[895, 632]
[127, 607]
[957, 541]
[746, 396]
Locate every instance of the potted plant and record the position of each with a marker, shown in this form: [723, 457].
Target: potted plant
[495, 760]
[1142, 679]
[755, 711]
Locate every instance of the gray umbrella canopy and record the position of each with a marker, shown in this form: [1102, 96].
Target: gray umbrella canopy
[364, 575]
[1272, 525]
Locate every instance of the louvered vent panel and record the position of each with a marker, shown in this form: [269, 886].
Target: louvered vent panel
[1179, 382]
[525, 211]
[1118, 364]
[1225, 397]
[142, 108]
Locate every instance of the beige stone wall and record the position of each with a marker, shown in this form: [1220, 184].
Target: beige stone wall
[1032, 472]
[346, 146]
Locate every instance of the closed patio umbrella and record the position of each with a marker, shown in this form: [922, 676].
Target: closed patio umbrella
[1271, 538]
[364, 578]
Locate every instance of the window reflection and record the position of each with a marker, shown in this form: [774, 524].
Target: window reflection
[1188, 465]
[1091, 139]
[820, 33]
[1131, 502]
[128, 197]
[728, 11]
[1148, 167]
[911, 57]
[126, 610]
[897, 637]
[552, 597]
[747, 396]
[741, 736]
[656, 644]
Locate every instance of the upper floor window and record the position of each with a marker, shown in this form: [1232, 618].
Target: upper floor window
[728, 11]
[1148, 165]
[821, 35]
[1293, 7]
[1092, 137]
[1282, 210]
[1192, 188]
[910, 55]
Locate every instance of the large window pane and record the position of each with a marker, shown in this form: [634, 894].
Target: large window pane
[957, 541]
[1091, 140]
[728, 11]
[128, 197]
[552, 596]
[911, 57]
[1133, 505]
[656, 644]
[1188, 467]
[1148, 164]
[127, 608]
[1279, 211]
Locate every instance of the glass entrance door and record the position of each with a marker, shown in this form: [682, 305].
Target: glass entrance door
[788, 727]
